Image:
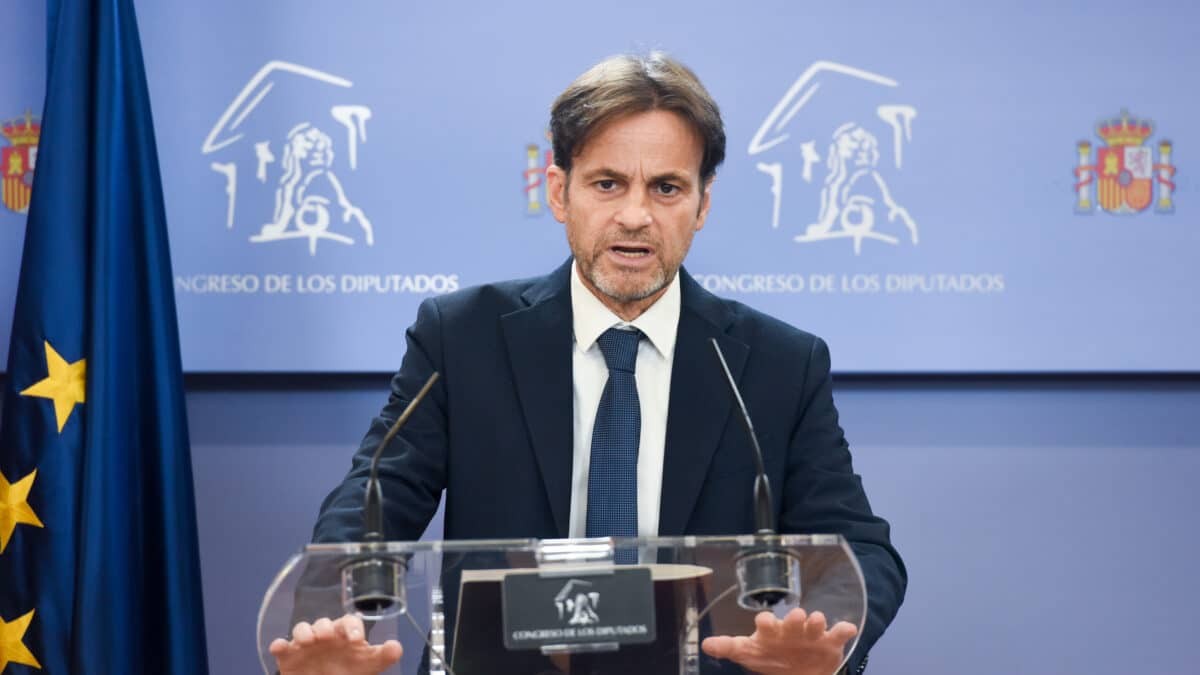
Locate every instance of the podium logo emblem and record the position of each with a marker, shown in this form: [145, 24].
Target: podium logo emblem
[1123, 178]
[18, 160]
[576, 603]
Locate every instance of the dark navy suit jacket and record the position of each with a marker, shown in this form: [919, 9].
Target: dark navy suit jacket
[496, 432]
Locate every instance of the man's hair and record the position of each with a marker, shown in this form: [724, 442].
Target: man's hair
[624, 85]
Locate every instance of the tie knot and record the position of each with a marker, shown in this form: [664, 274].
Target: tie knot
[620, 348]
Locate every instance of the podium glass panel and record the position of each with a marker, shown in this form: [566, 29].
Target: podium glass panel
[546, 607]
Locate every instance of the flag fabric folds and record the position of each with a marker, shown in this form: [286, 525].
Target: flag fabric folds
[99, 564]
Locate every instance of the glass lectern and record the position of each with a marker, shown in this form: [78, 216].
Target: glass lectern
[567, 606]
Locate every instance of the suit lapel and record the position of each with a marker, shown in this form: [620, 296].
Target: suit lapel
[700, 401]
[539, 342]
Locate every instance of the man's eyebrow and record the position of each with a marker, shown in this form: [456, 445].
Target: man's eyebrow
[677, 177]
[604, 172]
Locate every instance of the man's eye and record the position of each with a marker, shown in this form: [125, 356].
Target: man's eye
[606, 184]
[667, 188]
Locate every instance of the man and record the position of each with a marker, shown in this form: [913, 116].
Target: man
[528, 431]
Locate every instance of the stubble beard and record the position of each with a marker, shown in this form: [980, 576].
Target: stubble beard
[619, 286]
[613, 283]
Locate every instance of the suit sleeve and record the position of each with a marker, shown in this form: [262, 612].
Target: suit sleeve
[823, 494]
[412, 469]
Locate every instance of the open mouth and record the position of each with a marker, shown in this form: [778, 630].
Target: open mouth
[631, 251]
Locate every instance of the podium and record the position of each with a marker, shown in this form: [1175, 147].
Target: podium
[566, 606]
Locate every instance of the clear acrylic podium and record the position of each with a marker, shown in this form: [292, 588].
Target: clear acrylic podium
[570, 607]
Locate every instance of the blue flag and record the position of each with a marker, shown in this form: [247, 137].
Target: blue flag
[99, 566]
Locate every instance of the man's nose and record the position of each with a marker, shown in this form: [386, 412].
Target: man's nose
[635, 210]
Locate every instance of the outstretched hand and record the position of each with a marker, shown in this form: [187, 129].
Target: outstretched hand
[799, 644]
[333, 648]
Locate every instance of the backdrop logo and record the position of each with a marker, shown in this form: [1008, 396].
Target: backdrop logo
[534, 176]
[18, 160]
[842, 111]
[296, 192]
[1125, 172]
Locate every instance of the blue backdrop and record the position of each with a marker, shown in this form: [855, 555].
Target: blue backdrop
[1035, 513]
[905, 179]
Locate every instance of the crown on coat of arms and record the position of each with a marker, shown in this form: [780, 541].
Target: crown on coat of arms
[23, 130]
[1124, 130]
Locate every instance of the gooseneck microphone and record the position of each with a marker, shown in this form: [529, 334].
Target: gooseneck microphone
[373, 499]
[767, 573]
[373, 583]
[764, 505]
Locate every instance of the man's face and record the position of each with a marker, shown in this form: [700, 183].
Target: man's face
[631, 205]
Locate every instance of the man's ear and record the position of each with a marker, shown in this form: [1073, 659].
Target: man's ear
[556, 191]
[705, 203]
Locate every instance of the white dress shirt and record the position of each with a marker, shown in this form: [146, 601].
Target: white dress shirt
[653, 374]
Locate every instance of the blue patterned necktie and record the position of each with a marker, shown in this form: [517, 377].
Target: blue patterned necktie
[612, 473]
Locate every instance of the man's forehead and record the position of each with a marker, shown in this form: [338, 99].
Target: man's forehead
[651, 143]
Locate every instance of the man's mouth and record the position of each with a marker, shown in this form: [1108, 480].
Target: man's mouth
[631, 251]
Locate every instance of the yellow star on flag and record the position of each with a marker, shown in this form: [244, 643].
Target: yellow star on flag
[64, 385]
[14, 507]
[12, 649]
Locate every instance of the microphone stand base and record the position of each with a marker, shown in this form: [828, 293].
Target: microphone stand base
[768, 576]
[374, 587]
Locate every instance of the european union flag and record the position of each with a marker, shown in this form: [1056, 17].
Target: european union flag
[99, 567]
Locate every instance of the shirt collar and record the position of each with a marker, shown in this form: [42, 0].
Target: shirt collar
[591, 318]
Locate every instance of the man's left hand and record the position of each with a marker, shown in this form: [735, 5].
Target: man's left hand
[799, 644]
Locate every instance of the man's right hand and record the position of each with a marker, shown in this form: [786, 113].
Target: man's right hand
[333, 648]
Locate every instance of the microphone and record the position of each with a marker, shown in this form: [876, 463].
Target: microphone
[373, 584]
[764, 505]
[373, 497]
[767, 573]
